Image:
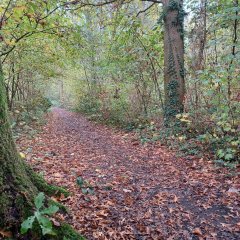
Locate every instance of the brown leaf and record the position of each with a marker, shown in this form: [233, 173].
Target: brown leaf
[102, 213]
[4, 233]
[126, 190]
[170, 210]
[175, 199]
[197, 231]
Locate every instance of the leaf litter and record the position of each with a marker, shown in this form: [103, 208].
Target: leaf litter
[123, 190]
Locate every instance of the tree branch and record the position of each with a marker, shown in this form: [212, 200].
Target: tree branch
[143, 11]
[153, 1]
[4, 13]
[89, 4]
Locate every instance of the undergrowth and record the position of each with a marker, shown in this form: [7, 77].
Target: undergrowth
[217, 139]
[25, 117]
[196, 133]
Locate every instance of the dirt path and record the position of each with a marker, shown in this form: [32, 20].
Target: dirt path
[140, 192]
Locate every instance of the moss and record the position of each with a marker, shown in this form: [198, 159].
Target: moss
[64, 232]
[68, 233]
[14, 211]
[25, 204]
[4, 201]
[59, 205]
[3, 99]
[19, 184]
[43, 186]
[16, 190]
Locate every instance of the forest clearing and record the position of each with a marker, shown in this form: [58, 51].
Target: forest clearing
[119, 119]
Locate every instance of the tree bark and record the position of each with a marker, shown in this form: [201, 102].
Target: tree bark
[16, 187]
[174, 85]
[19, 184]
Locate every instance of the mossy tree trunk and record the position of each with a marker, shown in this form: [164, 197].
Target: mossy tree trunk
[174, 85]
[16, 187]
[19, 184]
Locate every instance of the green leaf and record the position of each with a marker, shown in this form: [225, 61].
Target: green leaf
[43, 221]
[27, 224]
[33, 6]
[80, 181]
[91, 190]
[220, 153]
[46, 231]
[228, 156]
[50, 210]
[39, 200]
[88, 190]
[45, 224]
[84, 190]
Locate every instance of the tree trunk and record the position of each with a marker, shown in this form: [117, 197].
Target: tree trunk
[174, 85]
[16, 187]
[18, 182]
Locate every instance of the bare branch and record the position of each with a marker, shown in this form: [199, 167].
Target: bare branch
[4, 13]
[143, 11]
[90, 4]
[153, 1]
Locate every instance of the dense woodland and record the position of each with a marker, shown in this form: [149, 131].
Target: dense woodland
[165, 71]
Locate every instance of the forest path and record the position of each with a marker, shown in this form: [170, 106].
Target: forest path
[140, 191]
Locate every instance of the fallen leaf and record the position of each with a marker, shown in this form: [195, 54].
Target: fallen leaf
[22, 155]
[126, 190]
[233, 190]
[175, 199]
[197, 231]
[5, 233]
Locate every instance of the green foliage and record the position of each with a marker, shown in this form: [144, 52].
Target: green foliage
[110, 67]
[173, 107]
[89, 105]
[223, 138]
[40, 214]
[218, 137]
[38, 103]
[85, 186]
[126, 65]
[66, 232]
[174, 6]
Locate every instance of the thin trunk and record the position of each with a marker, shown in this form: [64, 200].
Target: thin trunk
[215, 48]
[154, 74]
[86, 76]
[203, 34]
[13, 87]
[201, 30]
[234, 42]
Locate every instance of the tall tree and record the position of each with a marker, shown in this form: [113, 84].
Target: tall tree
[19, 184]
[16, 186]
[174, 85]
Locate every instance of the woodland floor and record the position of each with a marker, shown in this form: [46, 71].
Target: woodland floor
[140, 191]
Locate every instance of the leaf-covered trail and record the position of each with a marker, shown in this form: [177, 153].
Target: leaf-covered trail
[140, 192]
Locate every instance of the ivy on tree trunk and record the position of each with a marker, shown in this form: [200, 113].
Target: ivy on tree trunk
[174, 85]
